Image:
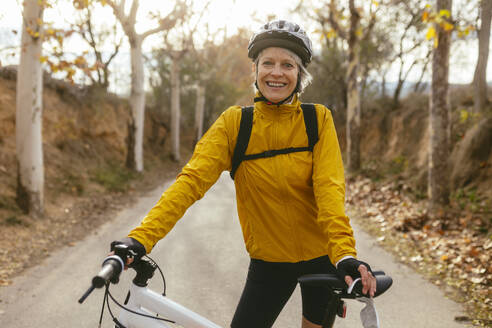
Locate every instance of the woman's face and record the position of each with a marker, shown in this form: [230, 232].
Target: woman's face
[277, 74]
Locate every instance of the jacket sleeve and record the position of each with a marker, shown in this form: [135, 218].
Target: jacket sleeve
[329, 189]
[212, 155]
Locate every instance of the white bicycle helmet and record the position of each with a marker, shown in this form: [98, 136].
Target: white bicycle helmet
[281, 34]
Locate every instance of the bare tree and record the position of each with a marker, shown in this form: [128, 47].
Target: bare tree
[480, 77]
[353, 35]
[176, 56]
[177, 50]
[137, 96]
[407, 43]
[96, 38]
[439, 127]
[29, 145]
[418, 85]
[207, 66]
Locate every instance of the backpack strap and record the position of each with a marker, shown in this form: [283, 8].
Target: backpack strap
[246, 125]
[311, 122]
[242, 138]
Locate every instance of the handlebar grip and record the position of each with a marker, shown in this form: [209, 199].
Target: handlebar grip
[111, 269]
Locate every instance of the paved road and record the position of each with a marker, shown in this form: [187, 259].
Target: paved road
[205, 263]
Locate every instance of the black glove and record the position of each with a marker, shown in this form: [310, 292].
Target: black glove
[132, 244]
[350, 267]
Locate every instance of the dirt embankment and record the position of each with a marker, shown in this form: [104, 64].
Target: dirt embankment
[453, 251]
[84, 150]
[396, 143]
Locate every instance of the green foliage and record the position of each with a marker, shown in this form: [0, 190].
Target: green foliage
[8, 203]
[114, 177]
[467, 199]
[72, 183]
[398, 165]
[14, 221]
[468, 116]
[372, 170]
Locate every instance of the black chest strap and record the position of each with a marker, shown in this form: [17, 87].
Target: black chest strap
[246, 125]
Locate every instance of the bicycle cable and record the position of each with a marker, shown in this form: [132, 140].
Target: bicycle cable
[131, 311]
[160, 272]
[115, 320]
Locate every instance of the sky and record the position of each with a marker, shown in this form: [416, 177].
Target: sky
[220, 13]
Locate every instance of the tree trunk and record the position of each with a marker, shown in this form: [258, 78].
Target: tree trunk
[480, 76]
[438, 184]
[199, 111]
[29, 142]
[353, 98]
[134, 158]
[418, 84]
[383, 85]
[396, 94]
[175, 108]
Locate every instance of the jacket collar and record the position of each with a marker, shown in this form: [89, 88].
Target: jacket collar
[277, 111]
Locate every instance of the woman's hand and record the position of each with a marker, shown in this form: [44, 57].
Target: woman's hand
[136, 249]
[350, 269]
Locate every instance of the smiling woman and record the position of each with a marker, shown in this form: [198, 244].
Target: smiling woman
[277, 73]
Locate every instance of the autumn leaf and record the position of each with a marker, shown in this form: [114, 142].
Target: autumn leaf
[464, 115]
[358, 32]
[445, 13]
[331, 34]
[474, 252]
[425, 16]
[5, 282]
[447, 26]
[431, 33]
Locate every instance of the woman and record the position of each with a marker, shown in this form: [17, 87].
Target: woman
[290, 205]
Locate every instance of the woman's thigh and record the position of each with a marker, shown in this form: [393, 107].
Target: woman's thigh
[268, 287]
[315, 299]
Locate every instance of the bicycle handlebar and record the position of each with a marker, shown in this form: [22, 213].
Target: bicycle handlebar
[111, 269]
[332, 281]
[112, 266]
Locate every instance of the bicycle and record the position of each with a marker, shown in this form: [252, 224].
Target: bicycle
[144, 307]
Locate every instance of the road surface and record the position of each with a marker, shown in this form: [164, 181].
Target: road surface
[205, 264]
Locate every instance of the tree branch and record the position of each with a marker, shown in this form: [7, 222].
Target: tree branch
[170, 21]
[333, 20]
[132, 16]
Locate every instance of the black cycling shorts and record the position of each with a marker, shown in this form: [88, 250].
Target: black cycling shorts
[269, 286]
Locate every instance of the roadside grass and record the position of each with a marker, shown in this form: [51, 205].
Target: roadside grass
[113, 177]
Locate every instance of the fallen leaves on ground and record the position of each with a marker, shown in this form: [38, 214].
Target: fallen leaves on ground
[453, 252]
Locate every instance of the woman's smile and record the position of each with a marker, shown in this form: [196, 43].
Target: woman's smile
[277, 74]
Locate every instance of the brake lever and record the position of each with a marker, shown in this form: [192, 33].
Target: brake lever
[368, 315]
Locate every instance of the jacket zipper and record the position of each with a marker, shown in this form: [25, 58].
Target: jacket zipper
[282, 179]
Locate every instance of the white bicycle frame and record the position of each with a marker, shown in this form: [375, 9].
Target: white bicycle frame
[154, 306]
[146, 301]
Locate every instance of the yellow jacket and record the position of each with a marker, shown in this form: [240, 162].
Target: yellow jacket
[291, 207]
